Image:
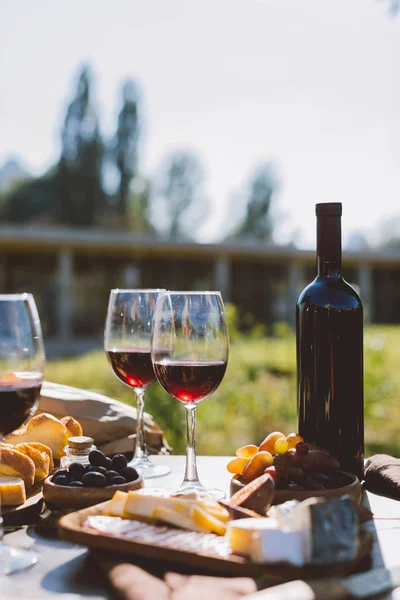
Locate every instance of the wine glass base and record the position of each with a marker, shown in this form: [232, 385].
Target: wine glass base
[15, 559]
[193, 487]
[147, 469]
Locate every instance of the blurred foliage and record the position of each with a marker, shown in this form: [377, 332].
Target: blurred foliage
[177, 195]
[126, 144]
[98, 181]
[258, 393]
[79, 194]
[257, 223]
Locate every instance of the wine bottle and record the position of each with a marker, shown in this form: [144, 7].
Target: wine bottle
[329, 344]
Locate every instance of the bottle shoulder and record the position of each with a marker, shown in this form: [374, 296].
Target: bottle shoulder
[330, 291]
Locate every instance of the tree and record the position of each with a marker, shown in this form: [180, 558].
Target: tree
[80, 196]
[126, 144]
[178, 202]
[387, 233]
[394, 7]
[30, 201]
[257, 222]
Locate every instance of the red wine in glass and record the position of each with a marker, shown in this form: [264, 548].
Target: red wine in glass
[21, 374]
[132, 367]
[127, 336]
[18, 400]
[189, 350]
[188, 381]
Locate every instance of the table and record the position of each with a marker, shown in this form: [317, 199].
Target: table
[64, 570]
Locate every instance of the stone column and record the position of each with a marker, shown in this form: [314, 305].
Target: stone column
[222, 277]
[65, 295]
[295, 279]
[366, 290]
[3, 275]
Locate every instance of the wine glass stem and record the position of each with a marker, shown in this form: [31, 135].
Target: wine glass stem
[191, 468]
[140, 447]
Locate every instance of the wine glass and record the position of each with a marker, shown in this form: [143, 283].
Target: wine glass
[21, 374]
[127, 345]
[189, 350]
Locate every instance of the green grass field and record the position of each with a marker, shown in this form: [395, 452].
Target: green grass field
[258, 394]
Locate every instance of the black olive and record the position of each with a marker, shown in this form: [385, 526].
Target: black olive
[61, 480]
[59, 472]
[108, 463]
[116, 480]
[75, 484]
[111, 474]
[101, 470]
[76, 471]
[93, 479]
[97, 458]
[129, 473]
[119, 462]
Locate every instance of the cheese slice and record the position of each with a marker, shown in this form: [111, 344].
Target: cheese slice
[186, 504]
[207, 521]
[142, 506]
[12, 490]
[115, 507]
[170, 516]
[219, 513]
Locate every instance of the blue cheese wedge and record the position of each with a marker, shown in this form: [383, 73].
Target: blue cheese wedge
[335, 531]
[317, 531]
[329, 527]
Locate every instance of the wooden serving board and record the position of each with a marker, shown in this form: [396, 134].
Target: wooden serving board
[200, 551]
[26, 513]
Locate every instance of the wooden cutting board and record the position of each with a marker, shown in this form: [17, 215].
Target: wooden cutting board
[200, 551]
[26, 513]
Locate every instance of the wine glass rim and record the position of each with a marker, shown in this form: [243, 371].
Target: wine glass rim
[13, 297]
[137, 290]
[191, 293]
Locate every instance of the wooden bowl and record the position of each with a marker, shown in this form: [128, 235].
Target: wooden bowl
[351, 486]
[60, 496]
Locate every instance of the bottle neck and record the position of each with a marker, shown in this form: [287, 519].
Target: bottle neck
[329, 245]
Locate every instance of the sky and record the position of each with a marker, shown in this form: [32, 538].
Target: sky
[312, 86]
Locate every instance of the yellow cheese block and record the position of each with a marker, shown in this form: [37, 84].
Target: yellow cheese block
[171, 517]
[207, 521]
[12, 490]
[179, 511]
[219, 513]
[115, 507]
[141, 506]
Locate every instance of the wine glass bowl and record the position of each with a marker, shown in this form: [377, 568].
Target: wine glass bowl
[21, 373]
[189, 350]
[127, 346]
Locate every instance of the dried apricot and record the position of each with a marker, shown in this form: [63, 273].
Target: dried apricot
[237, 465]
[293, 439]
[247, 451]
[257, 465]
[269, 442]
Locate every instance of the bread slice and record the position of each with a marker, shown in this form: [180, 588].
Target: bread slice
[43, 428]
[41, 460]
[12, 490]
[16, 464]
[43, 448]
[72, 425]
